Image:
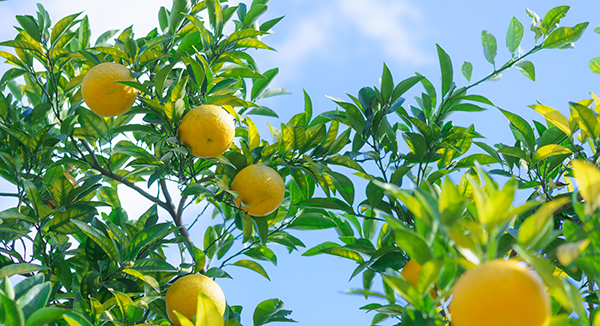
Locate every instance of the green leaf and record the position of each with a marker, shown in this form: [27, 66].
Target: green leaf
[467, 70]
[550, 150]
[75, 319]
[252, 265]
[387, 84]
[541, 222]
[261, 84]
[30, 26]
[564, 35]
[266, 26]
[312, 221]
[93, 125]
[256, 10]
[586, 119]
[490, 46]
[145, 238]
[344, 253]
[262, 253]
[552, 19]
[326, 203]
[514, 35]
[62, 222]
[595, 65]
[446, 67]
[413, 243]
[405, 85]
[153, 265]
[527, 68]
[36, 298]
[252, 43]
[14, 214]
[103, 242]
[13, 315]
[270, 311]
[62, 27]
[343, 185]
[45, 316]
[522, 126]
[22, 268]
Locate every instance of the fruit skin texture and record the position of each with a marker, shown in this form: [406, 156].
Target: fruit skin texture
[499, 293]
[183, 296]
[261, 189]
[103, 95]
[207, 130]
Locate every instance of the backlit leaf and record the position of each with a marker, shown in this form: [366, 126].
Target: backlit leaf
[550, 150]
[514, 35]
[490, 46]
[252, 265]
[552, 115]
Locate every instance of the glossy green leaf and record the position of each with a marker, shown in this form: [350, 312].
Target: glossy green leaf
[595, 65]
[149, 265]
[490, 46]
[514, 35]
[405, 85]
[588, 180]
[343, 185]
[387, 84]
[45, 316]
[252, 265]
[146, 237]
[312, 221]
[269, 311]
[107, 245]
[564, 35]
[527, 68]
[61, 27]
[13, 315]
[22, 268]
[75, 319]
[343, 252]
[326, 203]
[467, 70]
[256, 10]
[413, 243]
[36, 298]
[62, 222]
[262, 253]
[522, 126]
[586, 119]
[252, 43]
[552, 18]
[30, 26]
[447, 71]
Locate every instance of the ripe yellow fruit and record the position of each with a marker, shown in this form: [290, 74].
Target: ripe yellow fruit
[411, 272]
[103, 94]
[207, 130]
[182, 296]
[261, 189]
[499, 293]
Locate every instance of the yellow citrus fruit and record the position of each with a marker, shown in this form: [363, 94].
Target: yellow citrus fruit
[182, 296]
[499, 293]
[411, 272]
[207, 130]
[103, 94]
[261, 189]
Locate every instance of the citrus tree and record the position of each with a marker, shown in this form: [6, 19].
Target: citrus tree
[169, 115]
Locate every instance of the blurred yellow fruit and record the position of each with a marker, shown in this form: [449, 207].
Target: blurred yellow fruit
[499, 293]
[207, 130]
[411, 272]
[182, 296]
[103, 94]
[261, 189]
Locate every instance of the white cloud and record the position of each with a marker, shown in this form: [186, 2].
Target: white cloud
[394, 24]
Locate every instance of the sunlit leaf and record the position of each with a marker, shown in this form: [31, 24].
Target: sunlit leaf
[252, 265]
[552, 115]
[514, 35]
[489, 46]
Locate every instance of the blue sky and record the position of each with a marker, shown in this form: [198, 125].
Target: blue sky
[336, 46]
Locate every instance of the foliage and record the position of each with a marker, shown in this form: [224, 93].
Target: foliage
[92, 264]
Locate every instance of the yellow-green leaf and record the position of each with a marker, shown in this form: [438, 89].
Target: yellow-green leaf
[537, 225]
[253, 136]
[569, 252]
[552, 115]
[207, 313]
[550, 150]
[588, 180]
